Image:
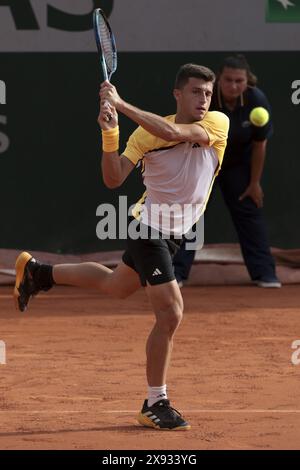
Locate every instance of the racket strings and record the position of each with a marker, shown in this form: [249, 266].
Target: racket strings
[106, 45]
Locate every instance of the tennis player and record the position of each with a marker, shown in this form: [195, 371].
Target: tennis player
[181, 155]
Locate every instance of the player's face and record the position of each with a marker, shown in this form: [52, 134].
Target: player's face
[233, 82]
[193, 100]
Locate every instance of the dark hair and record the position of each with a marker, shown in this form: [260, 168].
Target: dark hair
[192, 70]
[239, 61]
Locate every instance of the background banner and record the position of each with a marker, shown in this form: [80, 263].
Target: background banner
[192, 25]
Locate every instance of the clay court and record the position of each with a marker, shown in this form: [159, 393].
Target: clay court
[74, 377]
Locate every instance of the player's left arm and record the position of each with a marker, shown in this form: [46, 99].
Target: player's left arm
[156, 125]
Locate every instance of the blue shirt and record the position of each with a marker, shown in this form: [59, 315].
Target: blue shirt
[242, 133]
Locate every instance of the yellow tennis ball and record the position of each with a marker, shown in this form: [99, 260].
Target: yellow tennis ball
[259, 116]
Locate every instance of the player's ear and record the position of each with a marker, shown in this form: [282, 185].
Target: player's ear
[176, 94]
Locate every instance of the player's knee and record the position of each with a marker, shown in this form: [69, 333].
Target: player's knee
[169, 316]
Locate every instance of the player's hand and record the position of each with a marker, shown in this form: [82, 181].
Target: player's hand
[109, 92]
[108, 116]
[255, 192]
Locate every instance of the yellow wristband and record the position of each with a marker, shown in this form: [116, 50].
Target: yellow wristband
[110, 139]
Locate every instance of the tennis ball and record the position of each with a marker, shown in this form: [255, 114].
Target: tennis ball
[259, 117]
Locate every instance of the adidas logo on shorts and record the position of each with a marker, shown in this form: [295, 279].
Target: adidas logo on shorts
[156, 272]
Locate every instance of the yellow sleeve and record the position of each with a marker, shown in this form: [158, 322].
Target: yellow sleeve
[216, 125]
[139, 143]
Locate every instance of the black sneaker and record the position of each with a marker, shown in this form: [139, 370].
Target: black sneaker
[25, 286]
[162, 416]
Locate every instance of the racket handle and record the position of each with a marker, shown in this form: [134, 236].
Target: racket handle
[108, 115]
[106, 78]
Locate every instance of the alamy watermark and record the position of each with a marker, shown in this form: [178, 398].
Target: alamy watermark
[296, 355]
[2, 353]
[296, 94]
[4, 140]
[2, 92]
[159, 221]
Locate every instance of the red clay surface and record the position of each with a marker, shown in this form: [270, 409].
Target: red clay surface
[75, 379]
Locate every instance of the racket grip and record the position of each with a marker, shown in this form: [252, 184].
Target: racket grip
[108, 115]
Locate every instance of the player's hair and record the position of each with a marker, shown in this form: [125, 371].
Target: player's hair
[193, 71]
[239, 61]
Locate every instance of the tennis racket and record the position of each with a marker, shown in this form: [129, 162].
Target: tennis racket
[105, 43]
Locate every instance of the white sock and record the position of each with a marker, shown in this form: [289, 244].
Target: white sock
[156, 394]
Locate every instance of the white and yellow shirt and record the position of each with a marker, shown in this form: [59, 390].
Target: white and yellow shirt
[178, 175]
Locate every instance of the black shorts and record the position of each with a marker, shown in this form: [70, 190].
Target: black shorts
[152, 258]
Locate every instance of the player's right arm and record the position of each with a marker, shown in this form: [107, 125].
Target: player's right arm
[115, 168]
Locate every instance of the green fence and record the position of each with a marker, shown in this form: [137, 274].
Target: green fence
[50, 179]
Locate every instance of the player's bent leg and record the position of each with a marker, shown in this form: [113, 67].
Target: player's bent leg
[167, 304]
[32, 277]
[119, 283]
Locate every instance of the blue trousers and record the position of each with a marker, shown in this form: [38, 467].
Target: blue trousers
[249, 223]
